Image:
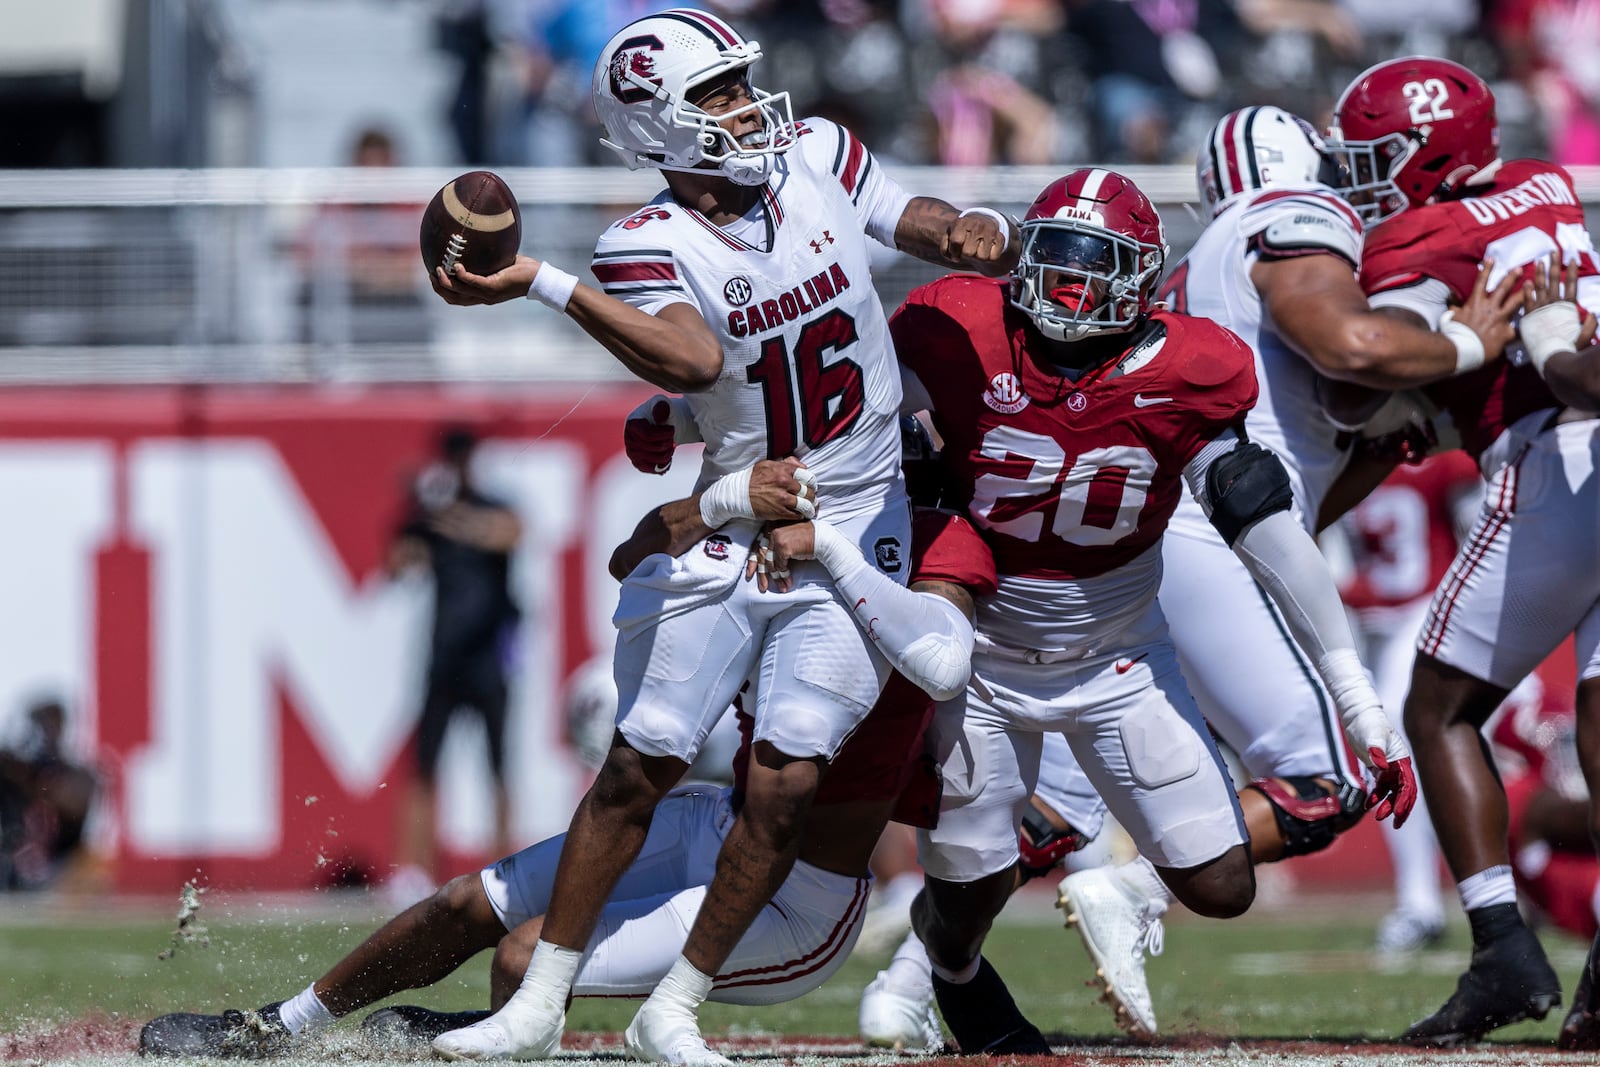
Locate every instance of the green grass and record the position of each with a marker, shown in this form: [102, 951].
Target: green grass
[1267, 975]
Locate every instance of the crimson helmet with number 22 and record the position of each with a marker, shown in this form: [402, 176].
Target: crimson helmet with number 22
[1414, 131]
[1092, 252]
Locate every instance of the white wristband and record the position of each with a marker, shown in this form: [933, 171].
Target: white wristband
[1549, 329]
[726, 499]
[833, 550]
[552, 287]
[1001, 220]
[1469, 346]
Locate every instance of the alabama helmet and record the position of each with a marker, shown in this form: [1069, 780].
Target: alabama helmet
[1092, 252]
[1413, 131]
[643, 84]
[1257, 147]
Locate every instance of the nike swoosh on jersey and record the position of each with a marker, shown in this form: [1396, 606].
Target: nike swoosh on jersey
[1142, 401]
[1126, 665]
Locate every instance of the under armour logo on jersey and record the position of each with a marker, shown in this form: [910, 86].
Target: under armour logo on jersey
[737, 292]
[1005, 394]
[827, 239]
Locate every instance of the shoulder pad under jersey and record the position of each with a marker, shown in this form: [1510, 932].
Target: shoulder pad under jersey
[1303, 225]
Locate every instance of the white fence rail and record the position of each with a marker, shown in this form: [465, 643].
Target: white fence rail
[313, 275]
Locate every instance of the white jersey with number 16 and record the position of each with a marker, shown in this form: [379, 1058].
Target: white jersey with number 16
[808, 367]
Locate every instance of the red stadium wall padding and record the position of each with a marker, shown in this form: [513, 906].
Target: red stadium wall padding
[199, 573]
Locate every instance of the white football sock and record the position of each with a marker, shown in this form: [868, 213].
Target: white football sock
[551, 972]
[1488, 887]
[1143, 885]
[961, 977]
[684, 986]
[305, 1012]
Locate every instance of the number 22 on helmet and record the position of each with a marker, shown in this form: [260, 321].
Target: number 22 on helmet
[1413, 131]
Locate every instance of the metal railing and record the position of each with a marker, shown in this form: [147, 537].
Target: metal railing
[313, 274]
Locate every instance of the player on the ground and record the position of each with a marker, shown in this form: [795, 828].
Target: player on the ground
[746, 285]
[1400, 541]
[1073, 412]
[792, 948]
[1421, 138]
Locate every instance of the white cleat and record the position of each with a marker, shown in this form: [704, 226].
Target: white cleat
[892, 1018]
[1117, 932]
[660, 1033]
[518, 1031]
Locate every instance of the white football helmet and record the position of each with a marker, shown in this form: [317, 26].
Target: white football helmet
[592, 710]
[642, 85]
[1257, 147]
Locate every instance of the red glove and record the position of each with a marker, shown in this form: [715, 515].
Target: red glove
[1394, 790]
[649, 438]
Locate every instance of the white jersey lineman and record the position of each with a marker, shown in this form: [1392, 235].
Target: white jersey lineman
[1276, 714]
[808, 371]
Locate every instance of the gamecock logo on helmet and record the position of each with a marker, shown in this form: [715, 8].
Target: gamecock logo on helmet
[633, 58]
[1005, 394]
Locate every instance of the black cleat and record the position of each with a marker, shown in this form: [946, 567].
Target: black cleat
[408, 1025]
[233, 1035]
[1509, 980]
[1581, 1028]
[983, 1018]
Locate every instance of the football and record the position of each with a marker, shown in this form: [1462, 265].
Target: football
[474, 221]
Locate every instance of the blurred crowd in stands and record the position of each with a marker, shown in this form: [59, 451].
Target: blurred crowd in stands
[979, 82]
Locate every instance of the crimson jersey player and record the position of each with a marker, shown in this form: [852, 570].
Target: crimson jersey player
[1404, 534]
[1421, 139]
[1073, 414]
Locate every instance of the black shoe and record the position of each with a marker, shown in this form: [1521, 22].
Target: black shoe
[1508, 980]
[406, 1025]
[233, 1035]
[1581, 1028]
[982, 1017]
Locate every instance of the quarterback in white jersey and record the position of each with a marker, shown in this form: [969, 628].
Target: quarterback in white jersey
[744, 285]
[808, 369]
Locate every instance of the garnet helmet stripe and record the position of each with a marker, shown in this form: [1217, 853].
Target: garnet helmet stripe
[1250, 147]
[713, 27]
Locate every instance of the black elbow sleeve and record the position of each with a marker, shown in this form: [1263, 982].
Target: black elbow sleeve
[1246, 485]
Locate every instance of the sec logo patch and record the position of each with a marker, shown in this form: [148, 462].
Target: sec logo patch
[1005, 394]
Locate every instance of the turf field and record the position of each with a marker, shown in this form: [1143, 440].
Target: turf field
[1287, 986]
